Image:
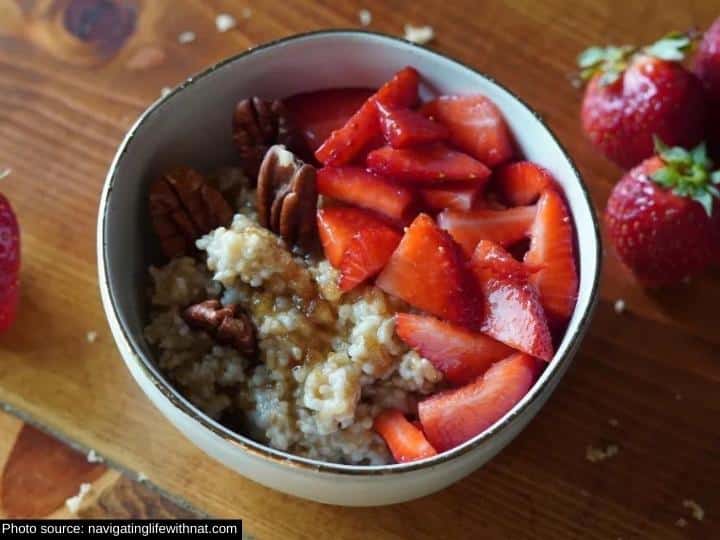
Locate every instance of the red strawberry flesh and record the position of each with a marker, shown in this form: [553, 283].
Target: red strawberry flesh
[367, 253]
[403, 128]
[461, 355]
[345, 144]
[453, 417]
[504, 227]
[513, 312]
[405, 440]
[476, 126]
[552, 250]
[354, 185]
[462, 198]
[318, 114]
[521, 183]
[9, 264]
[431, 164]
[429, 272]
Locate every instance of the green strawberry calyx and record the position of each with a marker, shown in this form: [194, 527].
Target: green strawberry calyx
[687, 173]
[610, 62]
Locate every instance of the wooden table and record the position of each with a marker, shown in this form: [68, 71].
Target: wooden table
[73, 77]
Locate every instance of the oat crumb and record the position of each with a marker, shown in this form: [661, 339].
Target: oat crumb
[165, 90]
[246, 12]
[419, 34]
[225, 22]
[696, 510]
[614, 422]
[595, 455]
[91, 336]
[186, 37]
[619, 306]
[93, 457]
[681, 522]
[142, 477]
[74, 502]
[365, 17]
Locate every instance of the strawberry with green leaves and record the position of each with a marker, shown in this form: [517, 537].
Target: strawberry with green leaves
[663, 215]
[706, 66]
[635, 93]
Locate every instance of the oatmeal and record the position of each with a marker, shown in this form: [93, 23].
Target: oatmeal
[328, 362]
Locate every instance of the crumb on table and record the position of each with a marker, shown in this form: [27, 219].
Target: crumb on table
[595, 455]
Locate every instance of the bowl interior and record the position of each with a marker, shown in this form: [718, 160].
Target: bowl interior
[192, 126]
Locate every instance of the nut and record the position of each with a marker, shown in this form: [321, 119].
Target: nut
[229, 325]
[287, 196]
[183, 207]
[257, 125]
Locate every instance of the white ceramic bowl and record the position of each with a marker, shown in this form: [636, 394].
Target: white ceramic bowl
[191, 126]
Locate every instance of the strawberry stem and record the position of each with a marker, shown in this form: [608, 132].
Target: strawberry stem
[610, 62]
[687, 173]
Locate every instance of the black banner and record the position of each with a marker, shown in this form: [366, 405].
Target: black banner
[132, 528]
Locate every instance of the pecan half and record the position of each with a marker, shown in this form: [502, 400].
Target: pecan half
[183, 207]
[229, 325]
[287, 196]
[257, 125]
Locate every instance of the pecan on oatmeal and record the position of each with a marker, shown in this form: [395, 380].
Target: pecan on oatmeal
[287, 196]
[183, 207]
[230, 325]
[257, 125]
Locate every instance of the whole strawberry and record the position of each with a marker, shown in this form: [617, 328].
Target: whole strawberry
[660, 215]
[706, 65]
[9, 262]
[633, 94]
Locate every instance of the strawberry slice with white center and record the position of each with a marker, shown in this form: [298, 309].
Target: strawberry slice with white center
[367, 253]
[476, 126]
[403, 127]
[523, 182]
[405, 440]
[357, 186]
[513, 312]
[345, 144]
[460, 198]
[552, 250]
[429, 272]
[430, 164]
[461, 355]
[452, 417]
[504, 227]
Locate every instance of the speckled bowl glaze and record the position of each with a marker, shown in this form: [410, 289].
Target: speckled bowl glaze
[191, 125]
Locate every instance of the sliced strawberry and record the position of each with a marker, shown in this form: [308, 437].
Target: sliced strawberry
[461, 198]
[452, 417]
[405, 441]
[513, 312]
[338, 224]
[318, 114]
[551, 248]
[403, 128]
[523, 182]
[432, 164]
[429, 272]
[361, 188]
[476, 126]
[504, 227]
[460, 354]
[367, 253]
[344, 144]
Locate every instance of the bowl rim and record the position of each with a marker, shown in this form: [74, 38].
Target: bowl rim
[266, 452]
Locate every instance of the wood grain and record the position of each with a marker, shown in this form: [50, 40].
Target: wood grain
[39, 473]
[66, 102]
